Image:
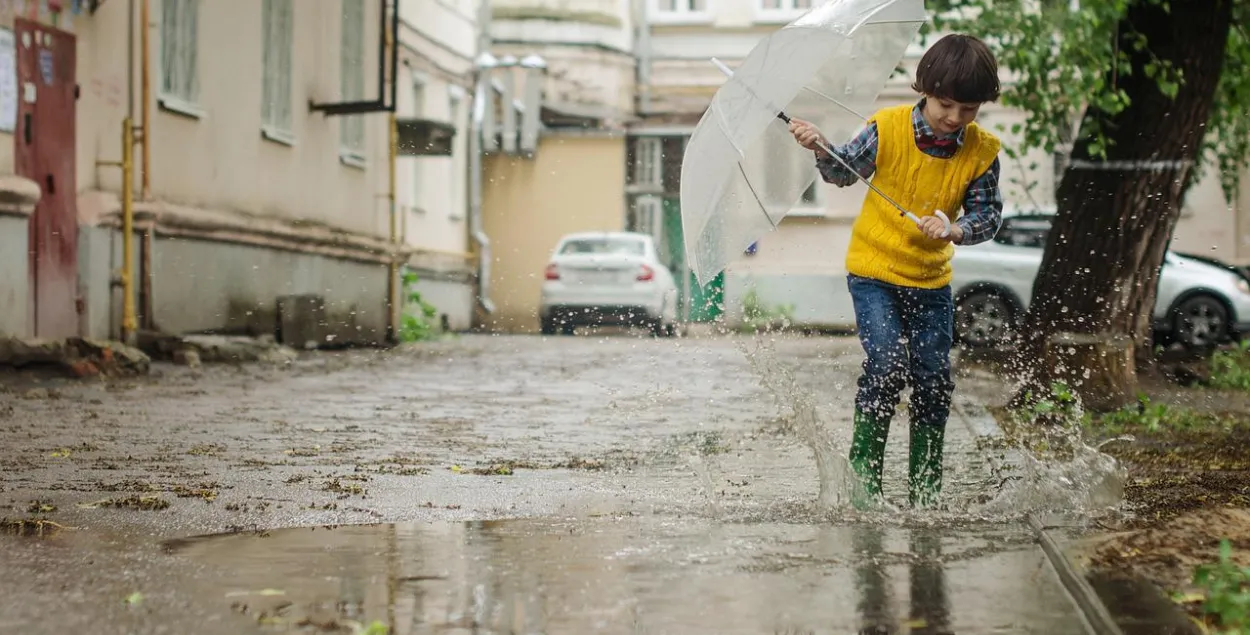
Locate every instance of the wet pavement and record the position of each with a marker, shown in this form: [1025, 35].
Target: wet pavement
[522, 484]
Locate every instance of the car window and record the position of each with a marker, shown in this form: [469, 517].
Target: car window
[1022, 232]
[605, 246]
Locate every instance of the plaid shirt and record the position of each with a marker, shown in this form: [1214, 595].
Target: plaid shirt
[983, 202]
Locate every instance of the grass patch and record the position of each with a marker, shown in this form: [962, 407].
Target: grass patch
[1230, 368]
[1149, 417]
[1225, 593]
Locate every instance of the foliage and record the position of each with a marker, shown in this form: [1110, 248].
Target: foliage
[758, 315]
[1057, 50]
[1227, 590]
[420, 325]
[1230, 369]
[1151, 417]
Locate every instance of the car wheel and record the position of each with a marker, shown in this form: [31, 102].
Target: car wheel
[548, 326]
[1200, 322]
[567, 327]
[984, 319]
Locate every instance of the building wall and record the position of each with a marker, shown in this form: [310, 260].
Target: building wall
[588, 47]
[240, 216]
[1211, 224]
[440, 41]
[14, 283]
[217, 158]
[573, 184]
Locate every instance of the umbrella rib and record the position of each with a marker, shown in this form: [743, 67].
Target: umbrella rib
[835, 101]
[763, 210]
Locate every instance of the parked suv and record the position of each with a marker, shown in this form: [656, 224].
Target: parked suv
[1199, 303]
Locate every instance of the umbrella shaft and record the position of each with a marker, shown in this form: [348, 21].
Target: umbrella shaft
[828, 148]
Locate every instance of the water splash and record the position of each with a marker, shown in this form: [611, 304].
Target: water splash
[1053, 468]
[708, 483]
[804, 422]
[1048, 466]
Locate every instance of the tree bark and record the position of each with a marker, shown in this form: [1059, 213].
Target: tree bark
[1115, 218]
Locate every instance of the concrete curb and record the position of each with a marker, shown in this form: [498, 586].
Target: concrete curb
[1097, 617]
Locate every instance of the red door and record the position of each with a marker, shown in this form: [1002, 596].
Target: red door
[44, 152]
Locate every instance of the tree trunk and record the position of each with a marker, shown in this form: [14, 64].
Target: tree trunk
[1115, 218]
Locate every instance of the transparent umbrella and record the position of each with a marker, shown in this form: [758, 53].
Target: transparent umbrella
[742, 171]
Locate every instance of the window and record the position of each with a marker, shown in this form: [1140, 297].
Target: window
[649, 162]
[417, 112]
[680, 10]
[352, 80]
[180, 82]
[812, 202]
[782, 9]
[278, 27]
[810, 196]
[1026, 230]
[605, 246]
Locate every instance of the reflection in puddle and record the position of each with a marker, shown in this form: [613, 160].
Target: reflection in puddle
[631, 576]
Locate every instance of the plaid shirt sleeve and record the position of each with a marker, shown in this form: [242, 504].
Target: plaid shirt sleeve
[860, 153]
[983, 207]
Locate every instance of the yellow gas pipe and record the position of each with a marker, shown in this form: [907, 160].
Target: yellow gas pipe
[127, 276]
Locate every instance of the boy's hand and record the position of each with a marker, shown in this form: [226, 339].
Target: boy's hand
[807, 135]
[933, 227]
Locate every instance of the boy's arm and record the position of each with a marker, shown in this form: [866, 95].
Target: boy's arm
[983, 208]
[860, 153]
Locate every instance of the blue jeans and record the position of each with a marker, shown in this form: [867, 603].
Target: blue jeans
[907, 336]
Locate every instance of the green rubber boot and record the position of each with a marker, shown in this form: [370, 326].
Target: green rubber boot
[924, 465]
[868, 458]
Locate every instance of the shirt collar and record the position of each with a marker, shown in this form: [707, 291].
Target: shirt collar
[922, 128]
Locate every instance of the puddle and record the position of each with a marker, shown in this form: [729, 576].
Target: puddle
[629, 575]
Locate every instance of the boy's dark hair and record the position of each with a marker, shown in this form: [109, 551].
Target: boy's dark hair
[958, 67]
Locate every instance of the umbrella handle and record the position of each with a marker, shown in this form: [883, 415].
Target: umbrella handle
[946, 221]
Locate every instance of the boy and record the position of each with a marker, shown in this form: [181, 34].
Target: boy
[927, 157]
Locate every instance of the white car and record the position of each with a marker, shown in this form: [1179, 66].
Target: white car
[1199, 303]
[607, 279]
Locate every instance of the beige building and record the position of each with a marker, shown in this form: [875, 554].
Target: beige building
[557, 168]
[439, 43]
[251, 183]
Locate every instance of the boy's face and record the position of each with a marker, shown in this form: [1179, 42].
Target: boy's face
[947, 116]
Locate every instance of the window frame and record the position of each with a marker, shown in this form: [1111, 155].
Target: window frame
[682, 12]
[352, 130]
[649, 176]
[179, 21]
[785, 12]
[277, 103]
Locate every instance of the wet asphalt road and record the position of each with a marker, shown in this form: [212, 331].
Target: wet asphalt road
[609, 484]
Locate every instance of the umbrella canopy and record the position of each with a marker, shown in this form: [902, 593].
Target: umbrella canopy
[742, 171]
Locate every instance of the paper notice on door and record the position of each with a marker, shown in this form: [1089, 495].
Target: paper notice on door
[8, 81]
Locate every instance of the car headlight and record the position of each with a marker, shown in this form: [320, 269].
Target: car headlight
[1243, 286]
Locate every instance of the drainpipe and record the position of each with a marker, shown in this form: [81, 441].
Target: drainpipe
[394, 296]
[145, 39]
[481, 95]
[396, 307]
[140, 135]
[644, 59]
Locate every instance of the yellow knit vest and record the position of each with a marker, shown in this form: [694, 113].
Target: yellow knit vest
[885, 245]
